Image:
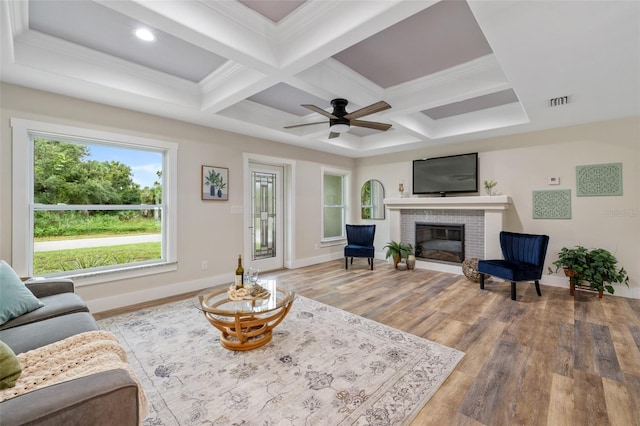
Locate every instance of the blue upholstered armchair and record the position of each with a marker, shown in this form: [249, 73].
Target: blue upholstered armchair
[523, 260]
[359, 243]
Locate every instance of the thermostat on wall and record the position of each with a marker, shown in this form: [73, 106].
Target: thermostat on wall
[553, 180]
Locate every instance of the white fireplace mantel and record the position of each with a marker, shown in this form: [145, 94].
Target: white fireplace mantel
[497, 202]
[494, 208]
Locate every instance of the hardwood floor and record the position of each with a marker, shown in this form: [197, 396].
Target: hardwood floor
[550, 360]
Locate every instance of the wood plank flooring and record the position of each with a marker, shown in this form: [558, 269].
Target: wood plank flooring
[550, 360]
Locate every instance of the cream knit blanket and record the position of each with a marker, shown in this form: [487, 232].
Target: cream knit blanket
[77, 356]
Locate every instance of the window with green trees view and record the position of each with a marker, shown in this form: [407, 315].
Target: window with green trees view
[95, 205]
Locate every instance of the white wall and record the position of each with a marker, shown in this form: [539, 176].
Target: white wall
[522, 164]
[206, 230]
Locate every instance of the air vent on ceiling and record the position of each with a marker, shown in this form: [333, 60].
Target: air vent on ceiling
[563, 100]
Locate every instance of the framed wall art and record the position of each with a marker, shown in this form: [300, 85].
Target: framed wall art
[552, 204]
[598, 180]
[214, 183]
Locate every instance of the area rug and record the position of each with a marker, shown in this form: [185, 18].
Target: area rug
[324, 366]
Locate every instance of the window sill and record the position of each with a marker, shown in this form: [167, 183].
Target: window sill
[81, 279]
[331, 243]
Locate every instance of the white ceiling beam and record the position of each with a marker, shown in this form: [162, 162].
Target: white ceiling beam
[77, 63]
[324, 28]
[226, 28]
[474, 78]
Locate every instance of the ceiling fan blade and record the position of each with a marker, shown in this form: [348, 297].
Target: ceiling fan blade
[319, 111]
[370, 124]
[333, 135]
[371, 109]
[306, 124]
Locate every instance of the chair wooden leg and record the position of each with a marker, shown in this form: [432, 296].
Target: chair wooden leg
[481, 281]
[346, 262]
[538, 288]
[372, 263]
[513, 290]
[352, 260]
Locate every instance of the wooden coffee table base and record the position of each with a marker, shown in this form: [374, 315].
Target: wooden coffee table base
[244, 332]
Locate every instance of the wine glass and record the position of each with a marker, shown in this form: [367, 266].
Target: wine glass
[253, 275]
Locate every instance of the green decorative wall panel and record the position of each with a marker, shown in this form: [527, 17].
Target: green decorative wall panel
[598, 180]
[554, 204]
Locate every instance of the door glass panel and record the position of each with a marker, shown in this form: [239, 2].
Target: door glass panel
[263, 209]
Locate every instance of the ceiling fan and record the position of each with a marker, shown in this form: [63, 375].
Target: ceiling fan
[340, 121]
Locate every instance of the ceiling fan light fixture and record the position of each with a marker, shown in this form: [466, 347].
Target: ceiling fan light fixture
[339, 128]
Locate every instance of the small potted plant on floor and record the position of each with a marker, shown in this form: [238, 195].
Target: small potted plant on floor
[397, 251]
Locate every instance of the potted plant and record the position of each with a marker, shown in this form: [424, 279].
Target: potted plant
[573, 261]
[397, 251]
[489, 185]
[598, 267]
[602, 271]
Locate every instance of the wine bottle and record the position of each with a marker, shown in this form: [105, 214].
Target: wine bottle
[239, 273]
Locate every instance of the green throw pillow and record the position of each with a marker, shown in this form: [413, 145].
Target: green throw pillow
[10, 369]
[15, 297]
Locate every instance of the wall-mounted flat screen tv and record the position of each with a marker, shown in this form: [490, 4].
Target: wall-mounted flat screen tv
[446, 175]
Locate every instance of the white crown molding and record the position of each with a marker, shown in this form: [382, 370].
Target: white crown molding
[310, 14]
[245, 18]
[220, 76]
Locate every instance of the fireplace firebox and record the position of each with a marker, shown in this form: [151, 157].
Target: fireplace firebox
[440, 241]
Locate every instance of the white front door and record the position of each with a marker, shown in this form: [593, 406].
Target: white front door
[265, 219]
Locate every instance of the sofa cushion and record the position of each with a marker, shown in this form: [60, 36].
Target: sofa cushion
[10, 369]
[16, 298]
[36, 334]
[54, 306]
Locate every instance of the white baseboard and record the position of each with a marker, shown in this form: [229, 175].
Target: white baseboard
[128, 299]
[301, 263]
[548, 280]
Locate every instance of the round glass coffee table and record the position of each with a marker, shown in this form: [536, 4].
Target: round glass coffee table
[247, 324]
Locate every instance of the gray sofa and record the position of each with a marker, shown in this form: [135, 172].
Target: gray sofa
[108, 398]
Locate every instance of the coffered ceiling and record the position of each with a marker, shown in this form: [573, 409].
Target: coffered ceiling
[451, 70]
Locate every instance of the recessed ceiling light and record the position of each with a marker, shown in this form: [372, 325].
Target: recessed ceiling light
[145, 34]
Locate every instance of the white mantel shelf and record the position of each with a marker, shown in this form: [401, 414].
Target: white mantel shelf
[494, 207]
[496, 202]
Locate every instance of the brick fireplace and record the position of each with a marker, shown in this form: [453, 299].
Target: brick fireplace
[483, 218]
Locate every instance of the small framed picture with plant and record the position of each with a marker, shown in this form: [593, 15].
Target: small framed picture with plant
[214, 183]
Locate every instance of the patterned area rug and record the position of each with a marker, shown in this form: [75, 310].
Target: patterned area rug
[324, 366]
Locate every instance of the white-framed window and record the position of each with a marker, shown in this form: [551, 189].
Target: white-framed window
[334, 204]
[92, 205]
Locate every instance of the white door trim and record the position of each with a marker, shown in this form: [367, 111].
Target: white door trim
[289, 182]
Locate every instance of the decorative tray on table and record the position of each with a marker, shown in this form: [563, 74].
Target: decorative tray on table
[252, 292]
